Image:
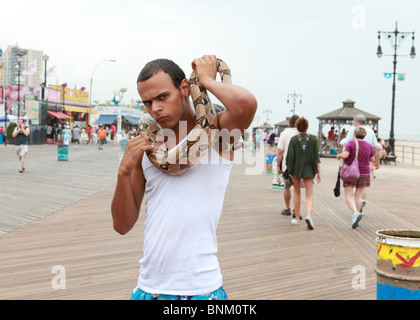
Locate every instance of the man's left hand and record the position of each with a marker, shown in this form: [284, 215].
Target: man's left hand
[206, 68]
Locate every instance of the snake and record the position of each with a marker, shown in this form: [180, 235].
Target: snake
[201, 138]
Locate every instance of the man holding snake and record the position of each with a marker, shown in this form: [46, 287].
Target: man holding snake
[182, 212]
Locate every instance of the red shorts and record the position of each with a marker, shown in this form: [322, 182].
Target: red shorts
[363, 182]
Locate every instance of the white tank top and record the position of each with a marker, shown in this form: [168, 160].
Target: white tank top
[182, 214]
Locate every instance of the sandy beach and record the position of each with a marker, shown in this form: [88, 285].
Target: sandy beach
[407, 143]
[408, 151]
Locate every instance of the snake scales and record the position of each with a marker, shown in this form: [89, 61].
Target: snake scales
[199, 140]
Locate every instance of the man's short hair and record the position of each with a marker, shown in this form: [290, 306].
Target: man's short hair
[292, 121]
[360, 118]
[165, 65]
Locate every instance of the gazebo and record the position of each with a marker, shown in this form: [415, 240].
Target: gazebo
[281, 126]
[264, 127]
[345, 116]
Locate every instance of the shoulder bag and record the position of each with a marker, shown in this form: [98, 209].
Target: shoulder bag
[351, 173]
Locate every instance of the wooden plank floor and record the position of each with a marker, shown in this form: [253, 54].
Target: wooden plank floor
[48, 185]
[261, 254]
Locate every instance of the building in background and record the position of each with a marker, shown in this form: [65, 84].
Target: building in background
[75, 104]
[31, 67]
[56, 104]
[123, 117]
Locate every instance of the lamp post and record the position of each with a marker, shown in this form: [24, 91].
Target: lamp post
[64, 85]
[257, 118]
[1, 63]
[395, 37]
[91, 82]
[3, 98]
[268, 111]
[294, 97]
[44, 85]
[20, 53]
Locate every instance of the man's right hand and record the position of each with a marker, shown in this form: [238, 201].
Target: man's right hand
[133, 153]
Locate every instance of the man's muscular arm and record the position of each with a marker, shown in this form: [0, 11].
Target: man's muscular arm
[130, 189]
[240, 104]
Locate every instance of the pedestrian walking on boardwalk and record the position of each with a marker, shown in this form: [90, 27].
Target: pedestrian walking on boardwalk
[76, 136]
[3, 135]
[360, 121]
[113, 133]
[303, 163]
[101, 137]
[355, 191]
[89, 134]
[282, 148]
[21, 133]
[66, 135]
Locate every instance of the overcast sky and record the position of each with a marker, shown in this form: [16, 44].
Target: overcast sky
[322, 49]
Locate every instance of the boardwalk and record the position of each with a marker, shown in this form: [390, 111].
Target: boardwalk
[49, 185]
[261, 254]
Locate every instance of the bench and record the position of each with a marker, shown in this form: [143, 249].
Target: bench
[390, 159]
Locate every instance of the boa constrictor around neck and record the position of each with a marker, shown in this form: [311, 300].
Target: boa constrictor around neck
[199, 140]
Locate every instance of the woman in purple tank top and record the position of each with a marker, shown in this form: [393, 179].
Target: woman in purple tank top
[354, 190]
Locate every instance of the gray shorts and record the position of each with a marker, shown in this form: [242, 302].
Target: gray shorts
[22, 150]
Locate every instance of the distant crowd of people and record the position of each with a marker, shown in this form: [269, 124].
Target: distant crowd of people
[271, 139]
[61, 133]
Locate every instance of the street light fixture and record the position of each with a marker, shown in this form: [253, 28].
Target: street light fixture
[395, 37]
[91, 81]
[379, 52]
[20, 53]
[64, 85]
[294, 96]
[5, 115]
[268, 111]
[413, 50]
[1, 64]
[44, 85]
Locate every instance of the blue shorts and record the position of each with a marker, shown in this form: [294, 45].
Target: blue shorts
[139, 294]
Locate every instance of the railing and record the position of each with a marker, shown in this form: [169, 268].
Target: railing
[406, 151]
[407, 154]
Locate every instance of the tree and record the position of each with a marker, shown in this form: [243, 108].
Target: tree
[10, 130]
